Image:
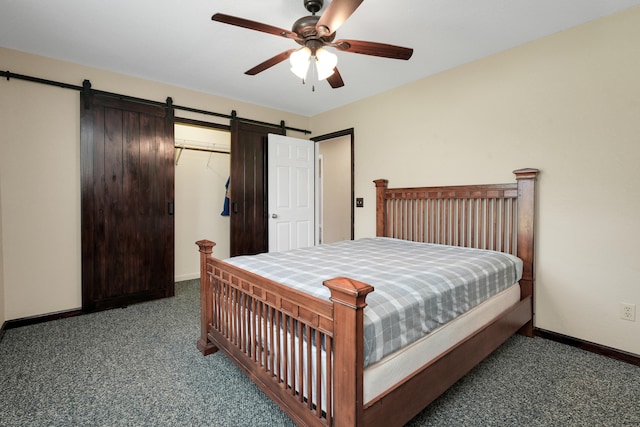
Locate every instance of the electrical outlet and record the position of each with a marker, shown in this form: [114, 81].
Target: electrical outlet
[628, 312]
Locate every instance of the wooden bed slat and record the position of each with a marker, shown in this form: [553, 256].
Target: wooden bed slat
[480, 218]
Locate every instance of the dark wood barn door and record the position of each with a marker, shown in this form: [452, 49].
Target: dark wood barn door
[127, 181]
[248, 218]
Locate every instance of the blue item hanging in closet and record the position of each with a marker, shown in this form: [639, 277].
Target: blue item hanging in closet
[225, 210]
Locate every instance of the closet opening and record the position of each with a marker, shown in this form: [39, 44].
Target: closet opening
[202, 168]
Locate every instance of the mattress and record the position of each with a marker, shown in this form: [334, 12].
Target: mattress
[419, 287]
[399, 365]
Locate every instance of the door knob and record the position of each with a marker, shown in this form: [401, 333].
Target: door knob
[274, 215]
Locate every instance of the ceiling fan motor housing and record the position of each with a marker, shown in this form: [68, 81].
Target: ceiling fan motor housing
[305, 28]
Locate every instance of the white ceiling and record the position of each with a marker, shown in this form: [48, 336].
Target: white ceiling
[176, 42]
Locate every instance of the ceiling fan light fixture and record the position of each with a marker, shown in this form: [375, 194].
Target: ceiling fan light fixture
[300, 60]
[325, 63]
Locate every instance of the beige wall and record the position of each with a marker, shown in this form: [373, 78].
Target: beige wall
[40, 174]
[40, 197]
[569, 105]
[2, 315]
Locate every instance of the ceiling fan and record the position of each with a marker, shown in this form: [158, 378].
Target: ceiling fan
[314, 33]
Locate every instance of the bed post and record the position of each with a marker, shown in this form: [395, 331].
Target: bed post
[348, 297]
[526, 179]
[381, 207]
[205, 347]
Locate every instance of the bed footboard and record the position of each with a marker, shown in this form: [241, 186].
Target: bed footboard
[276, 335]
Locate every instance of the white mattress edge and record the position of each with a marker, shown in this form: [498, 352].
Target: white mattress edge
[387, 372]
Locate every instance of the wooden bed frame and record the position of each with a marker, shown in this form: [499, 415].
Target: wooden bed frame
[241, 313]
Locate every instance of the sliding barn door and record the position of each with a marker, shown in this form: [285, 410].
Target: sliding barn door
[248, 188]
[127, 173]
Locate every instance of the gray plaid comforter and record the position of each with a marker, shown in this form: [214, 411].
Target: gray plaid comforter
[418, 286]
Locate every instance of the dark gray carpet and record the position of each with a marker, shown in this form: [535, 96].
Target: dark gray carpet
[139, 366]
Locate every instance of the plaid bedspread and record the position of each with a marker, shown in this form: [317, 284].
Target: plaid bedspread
[418, 286]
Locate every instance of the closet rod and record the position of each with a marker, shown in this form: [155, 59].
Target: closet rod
[9, 75]
[180, 148]
[208, 150]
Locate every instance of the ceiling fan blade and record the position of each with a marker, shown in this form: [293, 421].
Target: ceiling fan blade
[337, 12]
[270, 62]
[374, 49]
[335, 79]
[253, 25]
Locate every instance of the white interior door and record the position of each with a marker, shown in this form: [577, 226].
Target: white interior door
[290, 193]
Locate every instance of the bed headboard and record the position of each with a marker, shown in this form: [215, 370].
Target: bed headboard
[491, 216]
